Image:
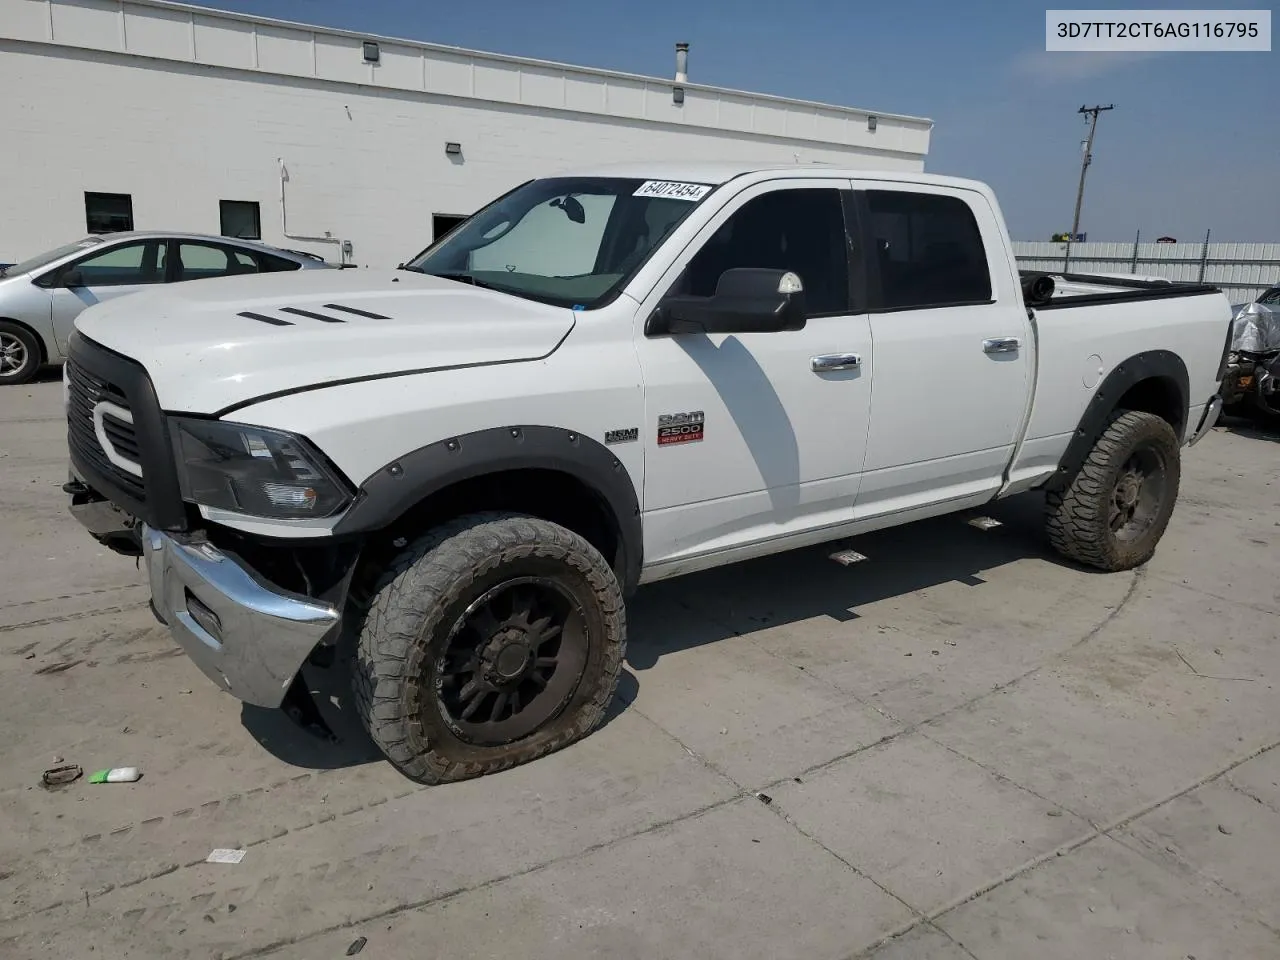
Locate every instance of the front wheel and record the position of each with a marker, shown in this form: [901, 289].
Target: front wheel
[19, 354]
[1115, 510]
[492, 641]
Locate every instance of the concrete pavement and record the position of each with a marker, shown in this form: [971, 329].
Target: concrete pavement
[962, 748]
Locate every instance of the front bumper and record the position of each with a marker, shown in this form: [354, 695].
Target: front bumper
[1212, 411]
[247, 637]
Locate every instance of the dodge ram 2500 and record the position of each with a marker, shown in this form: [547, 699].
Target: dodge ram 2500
[463, 466]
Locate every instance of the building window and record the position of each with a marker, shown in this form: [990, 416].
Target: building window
[442, 223]
[108, 212]
[240, 219]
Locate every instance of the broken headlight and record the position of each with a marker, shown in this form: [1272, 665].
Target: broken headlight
[255, 471]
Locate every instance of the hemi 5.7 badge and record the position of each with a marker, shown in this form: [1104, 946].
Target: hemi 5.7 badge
[680, 428]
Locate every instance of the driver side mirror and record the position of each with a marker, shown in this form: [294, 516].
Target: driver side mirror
[71, 278]
[747, 300]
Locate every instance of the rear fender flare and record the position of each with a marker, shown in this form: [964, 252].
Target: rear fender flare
[1153, 364]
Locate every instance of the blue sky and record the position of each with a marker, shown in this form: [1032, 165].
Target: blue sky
[1193, 144]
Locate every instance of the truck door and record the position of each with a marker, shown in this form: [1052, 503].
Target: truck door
[752, 437]
[954, 355]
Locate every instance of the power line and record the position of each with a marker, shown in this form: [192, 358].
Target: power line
[1091, 115]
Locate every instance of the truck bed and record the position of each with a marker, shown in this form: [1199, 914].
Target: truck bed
[1083, 289]
[1088, 325]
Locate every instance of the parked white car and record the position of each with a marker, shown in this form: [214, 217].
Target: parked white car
[40, 298]
[600, 381]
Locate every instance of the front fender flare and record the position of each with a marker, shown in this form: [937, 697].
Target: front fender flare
[394, 488]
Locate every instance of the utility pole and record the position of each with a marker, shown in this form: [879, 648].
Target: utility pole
[1091, 113]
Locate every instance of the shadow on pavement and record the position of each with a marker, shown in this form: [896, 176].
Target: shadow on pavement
[286, 740]
[730, 601]
[802, 584]
[1253, 428]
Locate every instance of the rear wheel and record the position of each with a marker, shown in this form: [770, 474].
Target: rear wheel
[1117, 507]
[494, 640]
[19, 353]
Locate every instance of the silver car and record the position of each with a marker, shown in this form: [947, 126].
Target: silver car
[40, 298]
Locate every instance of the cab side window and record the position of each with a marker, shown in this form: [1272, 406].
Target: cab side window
[799, 230]
[928, 250]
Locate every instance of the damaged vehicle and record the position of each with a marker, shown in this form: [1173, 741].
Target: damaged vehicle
[1252, 383]
[463, 468]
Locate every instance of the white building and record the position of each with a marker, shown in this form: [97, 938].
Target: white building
[158, 115]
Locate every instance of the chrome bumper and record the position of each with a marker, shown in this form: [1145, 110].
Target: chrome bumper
[246, 637]
[1207, 422]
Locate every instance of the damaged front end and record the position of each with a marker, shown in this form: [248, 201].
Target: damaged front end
[1252, 380]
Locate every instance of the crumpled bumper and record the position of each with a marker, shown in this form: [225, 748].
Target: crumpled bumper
[246, 636]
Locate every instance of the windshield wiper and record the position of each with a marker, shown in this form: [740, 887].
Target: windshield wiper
[468, 278]
[405, 266]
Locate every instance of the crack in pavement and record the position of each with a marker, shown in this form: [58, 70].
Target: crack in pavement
[1106, 831]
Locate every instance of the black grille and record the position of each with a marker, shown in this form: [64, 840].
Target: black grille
[95, 374]
[86, 391]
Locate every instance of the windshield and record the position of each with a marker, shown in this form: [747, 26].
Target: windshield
[1271, 296]
[569, 241]
[36, 262]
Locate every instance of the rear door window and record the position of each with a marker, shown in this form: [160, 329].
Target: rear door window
[927, 251]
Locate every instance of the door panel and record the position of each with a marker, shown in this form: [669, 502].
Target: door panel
[781, 444]
[123, 269]
[953, 349]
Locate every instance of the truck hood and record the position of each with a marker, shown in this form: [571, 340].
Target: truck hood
[212, 344]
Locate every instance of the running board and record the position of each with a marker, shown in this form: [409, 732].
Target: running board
[847, 557]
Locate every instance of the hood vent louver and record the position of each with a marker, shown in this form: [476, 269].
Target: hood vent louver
[311, 315]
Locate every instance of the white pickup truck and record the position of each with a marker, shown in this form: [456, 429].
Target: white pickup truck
[463, 466]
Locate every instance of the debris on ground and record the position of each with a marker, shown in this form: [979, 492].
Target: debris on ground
[1055, 813]
[61, 776]
[116, 775]
[223, 855]
[1223, 828]
[356, 946]
[764, 798]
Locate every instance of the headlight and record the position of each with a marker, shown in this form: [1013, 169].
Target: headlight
[254, 471]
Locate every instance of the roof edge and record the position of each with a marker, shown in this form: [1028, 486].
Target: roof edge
[525, 61]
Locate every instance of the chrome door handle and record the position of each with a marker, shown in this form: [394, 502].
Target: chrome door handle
[1001, 345]
[834, 361]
